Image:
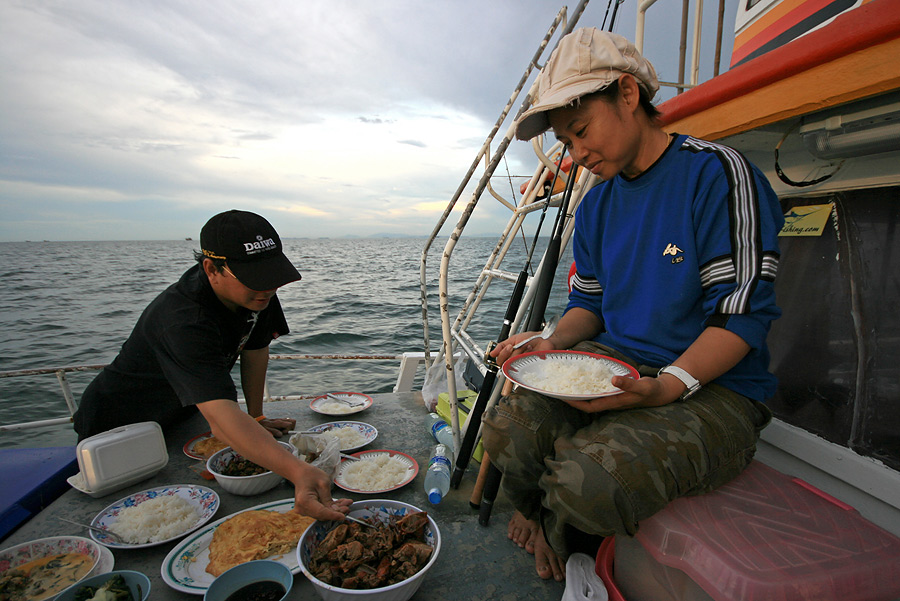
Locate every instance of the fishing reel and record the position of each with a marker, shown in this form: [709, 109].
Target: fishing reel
[489, 361]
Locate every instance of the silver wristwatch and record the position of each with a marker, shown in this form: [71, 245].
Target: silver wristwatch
[687, 379]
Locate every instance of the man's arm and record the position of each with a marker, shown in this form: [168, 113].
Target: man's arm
[312, 487]
[254, 364]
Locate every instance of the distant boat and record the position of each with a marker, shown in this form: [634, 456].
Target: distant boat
[188, 238]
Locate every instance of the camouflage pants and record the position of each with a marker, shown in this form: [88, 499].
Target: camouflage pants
[603, 473]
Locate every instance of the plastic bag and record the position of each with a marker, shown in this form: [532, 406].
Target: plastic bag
[436, 381]
[582, 581]
[325, 451]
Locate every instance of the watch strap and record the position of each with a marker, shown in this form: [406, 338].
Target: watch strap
[691, 383]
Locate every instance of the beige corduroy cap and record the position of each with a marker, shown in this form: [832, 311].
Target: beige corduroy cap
[585, 61]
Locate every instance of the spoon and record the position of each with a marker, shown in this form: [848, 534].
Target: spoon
[340, 400]
[112, 535]
[545, 333]
[359, 521]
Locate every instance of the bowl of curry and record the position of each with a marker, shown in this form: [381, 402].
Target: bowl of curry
[43, 568]
[240, 476]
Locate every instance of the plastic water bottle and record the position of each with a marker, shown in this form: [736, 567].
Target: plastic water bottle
[439, 429]
[437, 478]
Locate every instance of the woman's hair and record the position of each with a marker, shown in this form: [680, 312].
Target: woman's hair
[611, 92]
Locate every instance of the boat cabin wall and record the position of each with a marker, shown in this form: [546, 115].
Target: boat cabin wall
[819, 116]
[763, 25]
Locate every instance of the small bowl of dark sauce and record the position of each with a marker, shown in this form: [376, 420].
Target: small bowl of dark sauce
[261, 580]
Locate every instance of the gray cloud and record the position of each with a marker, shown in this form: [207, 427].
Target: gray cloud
[128, 119]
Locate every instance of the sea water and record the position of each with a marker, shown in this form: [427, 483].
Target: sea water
[74, 303]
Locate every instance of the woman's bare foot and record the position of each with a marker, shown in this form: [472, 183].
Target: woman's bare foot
[528, 535]
[546, 561]
[522, 531]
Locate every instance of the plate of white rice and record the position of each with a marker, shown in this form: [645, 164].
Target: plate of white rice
[351, 436]
[329, 406]
[376, 471]
[567, 375]
[156, 516]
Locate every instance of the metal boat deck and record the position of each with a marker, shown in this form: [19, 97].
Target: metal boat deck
[474, 563]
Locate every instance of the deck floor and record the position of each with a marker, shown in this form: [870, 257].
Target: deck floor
[475, 562]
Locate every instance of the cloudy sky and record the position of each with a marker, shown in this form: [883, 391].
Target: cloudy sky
[124, 119]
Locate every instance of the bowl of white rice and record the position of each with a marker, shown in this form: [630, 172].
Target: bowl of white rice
[567, 375]
[351, 436]
[376, 471]
[243, 485]
[155, 516]
[341, 403]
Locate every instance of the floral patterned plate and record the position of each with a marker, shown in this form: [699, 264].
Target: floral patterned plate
[368, 432]
[13, 557]
[204, 500]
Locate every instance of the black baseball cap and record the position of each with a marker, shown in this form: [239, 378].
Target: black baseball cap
[251, 247]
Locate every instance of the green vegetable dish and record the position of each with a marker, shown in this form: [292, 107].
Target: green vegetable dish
[114, 589]
[242, 467]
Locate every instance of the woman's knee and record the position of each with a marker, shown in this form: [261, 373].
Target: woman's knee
[521, 420]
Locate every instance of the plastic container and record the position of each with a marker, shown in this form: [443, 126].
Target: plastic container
[120, 457]
[762, 536]
[604, 568]
[437, 478]
[439, 429]
[465, 401]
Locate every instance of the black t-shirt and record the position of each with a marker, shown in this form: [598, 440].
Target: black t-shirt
[180, 353]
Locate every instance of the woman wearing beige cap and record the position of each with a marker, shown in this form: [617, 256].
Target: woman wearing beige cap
[676, 253]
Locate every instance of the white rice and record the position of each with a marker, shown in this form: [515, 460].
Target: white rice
[374, 472]
[333, 407]
[156, 519]
[571, 377]
[348, 437]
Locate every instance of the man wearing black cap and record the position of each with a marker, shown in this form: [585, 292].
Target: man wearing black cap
[179, 356]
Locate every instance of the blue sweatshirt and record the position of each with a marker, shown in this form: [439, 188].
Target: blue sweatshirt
[690, 243]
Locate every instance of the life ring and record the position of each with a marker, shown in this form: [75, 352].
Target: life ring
[548, 177]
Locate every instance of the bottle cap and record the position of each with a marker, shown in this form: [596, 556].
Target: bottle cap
[435, 496]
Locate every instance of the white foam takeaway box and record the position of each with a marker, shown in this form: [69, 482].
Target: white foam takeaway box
[117, 458]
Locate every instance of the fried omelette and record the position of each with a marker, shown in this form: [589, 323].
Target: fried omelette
[254, 534]
[208, 446]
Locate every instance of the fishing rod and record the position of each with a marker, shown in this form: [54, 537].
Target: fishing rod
[535, 320]
[551, 260]
[487, 386]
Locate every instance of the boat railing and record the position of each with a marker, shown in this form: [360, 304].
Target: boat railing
[454, 336]
[696, 28]
[534, 198]
[409, 363]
